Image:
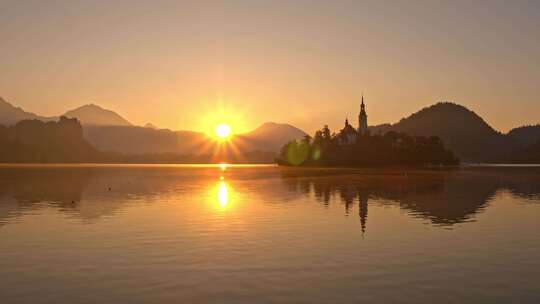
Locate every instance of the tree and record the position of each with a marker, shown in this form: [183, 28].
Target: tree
[326, 133]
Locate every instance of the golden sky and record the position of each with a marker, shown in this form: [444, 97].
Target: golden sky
[173, 63]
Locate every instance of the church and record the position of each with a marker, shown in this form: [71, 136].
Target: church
[348, 135]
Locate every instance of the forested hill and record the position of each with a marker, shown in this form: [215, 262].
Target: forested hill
[45, 142]
[462, 130]
[525, 135]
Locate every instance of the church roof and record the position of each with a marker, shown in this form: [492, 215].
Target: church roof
[348, 129]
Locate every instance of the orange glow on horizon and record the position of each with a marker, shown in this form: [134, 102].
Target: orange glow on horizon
[222, 120]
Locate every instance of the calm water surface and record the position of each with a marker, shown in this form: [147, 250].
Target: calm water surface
[200, 234]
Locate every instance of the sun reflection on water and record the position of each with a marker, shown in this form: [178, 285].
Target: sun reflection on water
[223, 194]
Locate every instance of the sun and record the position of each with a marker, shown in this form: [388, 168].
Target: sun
[223, 131]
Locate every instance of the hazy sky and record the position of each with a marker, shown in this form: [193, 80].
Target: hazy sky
[176, 63]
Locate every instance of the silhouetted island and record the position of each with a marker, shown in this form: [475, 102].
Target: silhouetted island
[357, 147]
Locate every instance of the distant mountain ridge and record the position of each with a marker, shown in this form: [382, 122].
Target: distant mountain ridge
[62, 141]
[462, 130]
[106, 130]
[89, 114]
[95, 115]
[10, 114]
[141, 140]
[271, 136]
[138, 140]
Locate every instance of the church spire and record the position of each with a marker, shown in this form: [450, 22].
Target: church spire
[362, 118]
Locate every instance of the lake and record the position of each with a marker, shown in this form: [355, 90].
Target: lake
[264, 234]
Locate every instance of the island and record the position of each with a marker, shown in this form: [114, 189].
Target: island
[358, 147]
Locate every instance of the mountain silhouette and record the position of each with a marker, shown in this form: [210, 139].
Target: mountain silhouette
[92, 114]
[271, 136]
[89, 114]
[140, 140]
[10, 115]
[525, 135]
[461, 129]
[108, 131]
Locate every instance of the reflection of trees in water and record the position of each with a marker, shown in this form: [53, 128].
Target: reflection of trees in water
[444, 197]
[25, 189]
[89, 193]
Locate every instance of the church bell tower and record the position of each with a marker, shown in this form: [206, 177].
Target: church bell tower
[362, 118]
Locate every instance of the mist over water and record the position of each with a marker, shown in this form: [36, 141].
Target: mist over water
[264, 234]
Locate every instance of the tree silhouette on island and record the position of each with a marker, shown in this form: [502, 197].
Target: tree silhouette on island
[392, 148]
